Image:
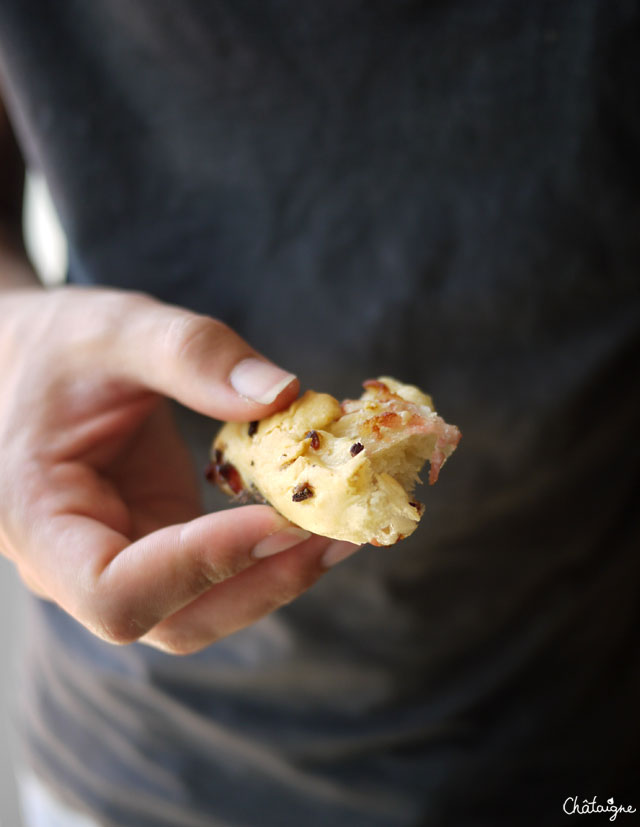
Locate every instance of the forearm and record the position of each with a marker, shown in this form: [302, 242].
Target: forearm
[15, 268]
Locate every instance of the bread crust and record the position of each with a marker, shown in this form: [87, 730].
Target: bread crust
[345, 471]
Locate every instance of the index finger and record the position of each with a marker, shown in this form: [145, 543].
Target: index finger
[195, 359]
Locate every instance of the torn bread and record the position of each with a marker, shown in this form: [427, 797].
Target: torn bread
[343, 471]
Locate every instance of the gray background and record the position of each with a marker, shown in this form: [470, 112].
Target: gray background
[10, 626]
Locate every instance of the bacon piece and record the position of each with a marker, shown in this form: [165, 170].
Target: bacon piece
[231, 476]
[302, 492]
[315, 439]
[211, 471]
[447, 441]
[220, 472]
[394, 417]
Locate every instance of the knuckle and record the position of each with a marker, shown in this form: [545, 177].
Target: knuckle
[188, 335]
[116, 309]
[204, 570]
[115, 625]
[205, 574]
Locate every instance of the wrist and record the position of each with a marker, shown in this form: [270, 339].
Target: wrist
[16, 272]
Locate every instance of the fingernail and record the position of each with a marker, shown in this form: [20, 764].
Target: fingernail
[259, 381]
[337, 551]
[280, 541]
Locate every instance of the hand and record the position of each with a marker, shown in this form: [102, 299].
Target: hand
[99, 504]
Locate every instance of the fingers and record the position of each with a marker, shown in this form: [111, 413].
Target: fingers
[181, 586]
[184, 586]
[244, 599]
[120, 590]
[199, 361]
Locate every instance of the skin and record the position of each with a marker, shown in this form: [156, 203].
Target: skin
[99, 503]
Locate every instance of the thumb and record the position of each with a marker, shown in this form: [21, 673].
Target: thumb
[200, 362]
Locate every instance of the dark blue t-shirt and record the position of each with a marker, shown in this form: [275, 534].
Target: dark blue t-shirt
[444, 192]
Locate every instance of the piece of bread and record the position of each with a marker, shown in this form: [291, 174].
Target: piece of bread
[343, 471]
